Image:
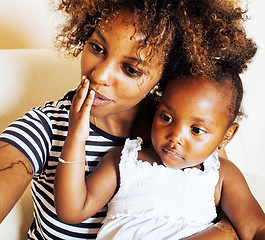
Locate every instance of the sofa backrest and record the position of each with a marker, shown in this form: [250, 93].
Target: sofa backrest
[29, 78]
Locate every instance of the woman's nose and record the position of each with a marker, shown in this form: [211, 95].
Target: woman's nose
[103, 73]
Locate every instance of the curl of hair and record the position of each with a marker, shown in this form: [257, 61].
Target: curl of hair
[210, 31]
[153, 18]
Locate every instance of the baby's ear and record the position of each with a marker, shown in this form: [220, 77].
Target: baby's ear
[230, 133]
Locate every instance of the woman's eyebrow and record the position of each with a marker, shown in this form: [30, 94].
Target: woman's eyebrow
[135, 59]
[101, 36]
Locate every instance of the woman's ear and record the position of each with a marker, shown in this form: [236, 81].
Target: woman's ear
[229, 134]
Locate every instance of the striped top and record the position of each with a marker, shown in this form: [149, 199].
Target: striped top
[40, 135]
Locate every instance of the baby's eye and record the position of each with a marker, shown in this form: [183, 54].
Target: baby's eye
[197, 130]
[131, 71]
[97, 49]
[165, 118]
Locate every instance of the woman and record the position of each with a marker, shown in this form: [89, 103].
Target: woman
[126, 48]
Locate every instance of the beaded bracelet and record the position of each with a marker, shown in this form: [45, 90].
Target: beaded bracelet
[77, 161]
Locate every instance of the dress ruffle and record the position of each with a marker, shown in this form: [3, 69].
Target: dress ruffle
[130, 153]
[157, 202]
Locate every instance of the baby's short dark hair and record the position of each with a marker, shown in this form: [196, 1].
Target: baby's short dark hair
[228, 80]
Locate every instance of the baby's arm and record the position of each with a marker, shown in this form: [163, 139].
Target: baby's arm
[77, 198]
[239, 204]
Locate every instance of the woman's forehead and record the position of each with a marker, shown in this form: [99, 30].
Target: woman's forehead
[123, 27]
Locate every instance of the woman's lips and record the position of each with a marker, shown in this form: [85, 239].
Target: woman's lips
[100, 100]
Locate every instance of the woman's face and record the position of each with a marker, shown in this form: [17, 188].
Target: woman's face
[119, 75]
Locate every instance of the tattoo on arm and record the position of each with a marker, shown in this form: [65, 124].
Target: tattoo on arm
[17, 163]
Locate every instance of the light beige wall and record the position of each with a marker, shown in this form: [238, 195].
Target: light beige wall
[26, 24]
[30, 77]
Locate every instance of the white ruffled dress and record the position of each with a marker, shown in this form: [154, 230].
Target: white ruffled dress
[156, 203]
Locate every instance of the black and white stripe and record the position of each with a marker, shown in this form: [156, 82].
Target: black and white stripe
[40, 135]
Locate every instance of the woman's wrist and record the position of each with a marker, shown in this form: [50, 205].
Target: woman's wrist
[73, 150]
[226, 226]
[221, 230]
[73, 161]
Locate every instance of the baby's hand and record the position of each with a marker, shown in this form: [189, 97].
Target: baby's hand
[80, 112]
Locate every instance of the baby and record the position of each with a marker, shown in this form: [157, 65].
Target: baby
[172, 189]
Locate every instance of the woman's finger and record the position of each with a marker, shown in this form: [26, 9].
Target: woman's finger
[78, 89]
[88, 104]
[80, 95]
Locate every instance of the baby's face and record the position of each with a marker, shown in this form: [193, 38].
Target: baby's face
[190, 122]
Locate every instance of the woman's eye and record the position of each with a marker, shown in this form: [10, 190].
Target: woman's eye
[166, 118]
[95, 48]
[197, 130]
[131, 71]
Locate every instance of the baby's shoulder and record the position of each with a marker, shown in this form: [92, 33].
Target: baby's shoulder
[228, 169]
[148, 154]
[113, 155]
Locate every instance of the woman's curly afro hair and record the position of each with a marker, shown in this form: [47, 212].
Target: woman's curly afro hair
[193, 35]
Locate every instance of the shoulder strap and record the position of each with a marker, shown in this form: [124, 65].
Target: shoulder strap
[130, 149]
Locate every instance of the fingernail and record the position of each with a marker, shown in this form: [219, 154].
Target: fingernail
[84, 77]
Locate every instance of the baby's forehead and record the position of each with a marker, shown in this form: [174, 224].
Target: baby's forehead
[197, 83]
[199, 87]
[193, 98]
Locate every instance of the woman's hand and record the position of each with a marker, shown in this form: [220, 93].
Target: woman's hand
[78, 131]
[80, 112]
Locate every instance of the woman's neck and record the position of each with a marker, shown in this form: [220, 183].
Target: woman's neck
[120, 125]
